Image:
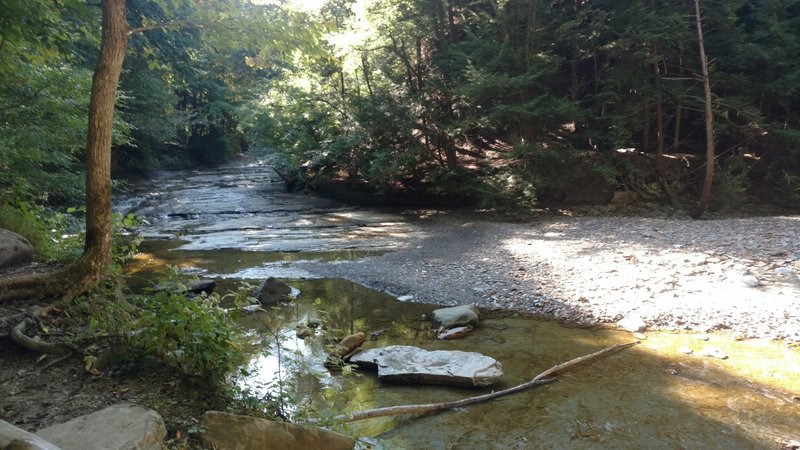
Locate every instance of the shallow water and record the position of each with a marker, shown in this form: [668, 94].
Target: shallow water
[649, 396]
[245, 206]
[155, 255]
[236, 223]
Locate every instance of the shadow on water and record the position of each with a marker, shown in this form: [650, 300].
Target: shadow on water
[650, 396]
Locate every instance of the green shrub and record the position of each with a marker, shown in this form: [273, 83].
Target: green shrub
[54, 236]
[195, 336]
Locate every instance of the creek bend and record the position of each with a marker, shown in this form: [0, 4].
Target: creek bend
[237, 222]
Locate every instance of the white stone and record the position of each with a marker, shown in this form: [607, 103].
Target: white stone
[714, 352]
[634, 324]
[456, 316]
[750, 281]
[119, 427]
[407, 364]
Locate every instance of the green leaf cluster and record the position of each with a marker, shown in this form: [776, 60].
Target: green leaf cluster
[193, 335]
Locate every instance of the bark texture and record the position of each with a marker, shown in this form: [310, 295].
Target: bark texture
[96, 257]
[705, 196]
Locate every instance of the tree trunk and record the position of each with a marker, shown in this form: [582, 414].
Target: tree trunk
[705, 197]
[96, 258]
[659, 118]
[676, 140]
[365, 68]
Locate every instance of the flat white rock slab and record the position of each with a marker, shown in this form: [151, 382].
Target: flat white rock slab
[411, 365]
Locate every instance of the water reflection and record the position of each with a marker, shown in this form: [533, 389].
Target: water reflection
[652, 396]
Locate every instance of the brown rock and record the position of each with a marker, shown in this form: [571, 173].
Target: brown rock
[348, 345]
[232, 432]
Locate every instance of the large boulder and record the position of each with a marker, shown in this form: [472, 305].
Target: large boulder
[272, 291]
[407, 364]
[14, 249]
[119, 427]
[232, 432]
[456, 316]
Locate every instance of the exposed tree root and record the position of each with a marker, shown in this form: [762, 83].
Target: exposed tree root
[64, 284]
[18, 335]
[45, 284]
[542, 378]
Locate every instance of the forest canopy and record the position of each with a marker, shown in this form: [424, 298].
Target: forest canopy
[491, 103]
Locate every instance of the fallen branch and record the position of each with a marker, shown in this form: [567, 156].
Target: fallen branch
[542, 378]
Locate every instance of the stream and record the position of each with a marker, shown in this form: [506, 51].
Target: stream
[237, 223]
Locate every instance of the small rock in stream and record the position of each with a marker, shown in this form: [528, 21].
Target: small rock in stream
[456, 316]
[714, 352]
[272, 292]
[454, 333]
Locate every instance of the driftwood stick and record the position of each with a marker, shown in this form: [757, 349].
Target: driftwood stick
[542, 378]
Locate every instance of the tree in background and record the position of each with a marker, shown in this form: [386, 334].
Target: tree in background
[705, 197]
[531, 96]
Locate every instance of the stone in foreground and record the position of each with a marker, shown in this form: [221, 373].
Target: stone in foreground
[456, 316]
[232, 432]
[10, 435]
[14, 249]
[406, 364]
[119, 427]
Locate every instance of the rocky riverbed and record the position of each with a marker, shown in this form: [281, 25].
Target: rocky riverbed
[655, 268]
[737, 274]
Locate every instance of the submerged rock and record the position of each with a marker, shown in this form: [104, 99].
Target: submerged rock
[344, 348]
[406, 364]
[230, 431]
[713, 352]
[272, 291]
[454, 333]
[456, 316]
[14, 249]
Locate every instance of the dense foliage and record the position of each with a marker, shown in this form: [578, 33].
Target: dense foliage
[531, 98]
[498, 101]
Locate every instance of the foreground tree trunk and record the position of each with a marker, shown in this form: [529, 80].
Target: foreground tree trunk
[97, 250]
[96, 258]
[705, 197]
